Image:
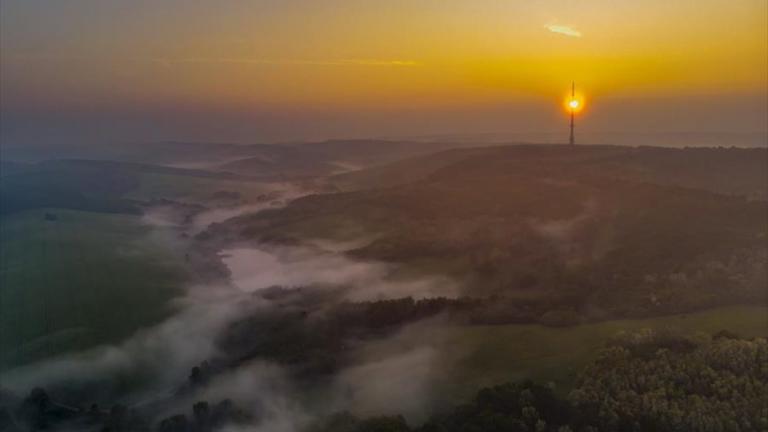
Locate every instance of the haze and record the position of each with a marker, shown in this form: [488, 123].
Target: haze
[369, 216]
[251, 71]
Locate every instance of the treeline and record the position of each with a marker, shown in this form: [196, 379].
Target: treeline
[315, 343]
[39, 412]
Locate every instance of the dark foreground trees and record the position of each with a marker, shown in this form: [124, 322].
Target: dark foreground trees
[643, 381]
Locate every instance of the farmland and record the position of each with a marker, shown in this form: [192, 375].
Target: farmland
[79, 280]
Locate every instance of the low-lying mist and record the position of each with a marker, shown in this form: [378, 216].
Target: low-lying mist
[265, 266]
[151, 369]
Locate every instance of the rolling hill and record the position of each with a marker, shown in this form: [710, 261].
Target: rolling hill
[588, 232]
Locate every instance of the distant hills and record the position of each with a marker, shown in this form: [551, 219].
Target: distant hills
[730, 171]
[77, 184]
[290, 160]
[678, 139]
[96, 178]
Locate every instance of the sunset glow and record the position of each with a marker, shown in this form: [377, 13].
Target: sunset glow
[254, 65]
[366, 215]
[574, 103]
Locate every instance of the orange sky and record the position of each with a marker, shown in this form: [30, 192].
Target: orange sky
[274, 58]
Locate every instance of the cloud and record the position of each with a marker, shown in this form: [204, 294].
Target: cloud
[563, 30]
[303, 62]
[169, 61]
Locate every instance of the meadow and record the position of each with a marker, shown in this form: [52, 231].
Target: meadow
[79, 280]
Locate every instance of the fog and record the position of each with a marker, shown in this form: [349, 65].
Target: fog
[279, 195]
[399, 384]
[157, 360]
[159, 357]
[261, 267]
[188, 213]
[182, 253]
[262, 388]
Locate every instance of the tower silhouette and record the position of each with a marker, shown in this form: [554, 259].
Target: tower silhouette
[572, 140]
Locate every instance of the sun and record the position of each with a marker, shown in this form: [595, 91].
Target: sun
[573, 103]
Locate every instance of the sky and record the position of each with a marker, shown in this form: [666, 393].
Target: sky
[282, 70]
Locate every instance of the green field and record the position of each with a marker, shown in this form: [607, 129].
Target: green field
[83, 279]
[472, 357]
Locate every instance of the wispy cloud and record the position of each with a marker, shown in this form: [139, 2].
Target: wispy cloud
[308, 62]
[563, 30]
[168, 61]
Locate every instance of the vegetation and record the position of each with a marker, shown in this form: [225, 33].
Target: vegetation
[739, 171]
[38, 411]
[557, 249]
[109, 187]
[59, 277]
[645, 381]
[642, 381]
[269, 162]
[154, 186]
[571, 234]
[482, 355]
[316, 344]
[64, 187]
[663, 381]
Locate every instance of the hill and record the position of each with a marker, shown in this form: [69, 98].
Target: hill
[723, 170]
[328, 157]
[101, 186]
[586, 232]
[263, 161]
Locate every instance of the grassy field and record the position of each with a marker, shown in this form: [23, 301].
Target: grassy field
[83, 279]
[471, 357]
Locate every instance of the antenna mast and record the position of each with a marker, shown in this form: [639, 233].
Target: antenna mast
[572, 141]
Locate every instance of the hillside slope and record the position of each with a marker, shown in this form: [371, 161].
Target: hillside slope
[591, 230]
[723, 170]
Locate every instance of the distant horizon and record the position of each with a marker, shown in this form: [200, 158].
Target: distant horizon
[309, 70]
[104, 150]
[498, 136]
[24, 127]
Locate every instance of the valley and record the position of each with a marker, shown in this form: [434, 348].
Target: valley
[438, 275]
